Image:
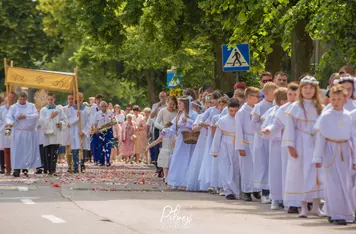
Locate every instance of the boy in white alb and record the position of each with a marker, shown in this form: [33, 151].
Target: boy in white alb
[334, 155]
[260, 145]
[244, 143]
[224, 148]
[278, 125]
[76, 136]
[275, 151]
[52, 119]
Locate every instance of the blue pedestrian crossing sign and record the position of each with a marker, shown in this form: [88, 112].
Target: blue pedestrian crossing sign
[237, 58]
[173, 79]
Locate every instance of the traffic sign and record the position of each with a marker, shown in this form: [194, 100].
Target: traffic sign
[173, 79]
[237, 58]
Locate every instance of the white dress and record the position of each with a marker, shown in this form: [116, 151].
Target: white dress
[163, 117]
[333, 150]
[224, 147]
[25, 150]
[182, 152]
[48, 124]
[5, 141]
[206, 166]
[244, 141]
[74, 127]
[303, 180]
[191, 180]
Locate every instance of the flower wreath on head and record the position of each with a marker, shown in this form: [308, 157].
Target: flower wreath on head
[344, 79]
[309, 80]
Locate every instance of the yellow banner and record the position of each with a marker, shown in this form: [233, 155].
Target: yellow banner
[47, 80]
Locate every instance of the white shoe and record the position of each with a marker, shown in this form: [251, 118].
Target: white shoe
[275, 205]
[318, 213]
[303, 213]
[211, 190]
[265, 200]
[222, 193]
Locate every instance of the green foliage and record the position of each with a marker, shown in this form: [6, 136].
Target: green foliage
[22, 38]
[121, 46]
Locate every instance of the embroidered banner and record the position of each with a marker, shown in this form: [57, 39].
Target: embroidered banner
[40, 79]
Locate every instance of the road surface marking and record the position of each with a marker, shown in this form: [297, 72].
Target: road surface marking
[18, 198]
[53, 219]
[27, 202]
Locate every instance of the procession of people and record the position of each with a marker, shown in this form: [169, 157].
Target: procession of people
[288, 145]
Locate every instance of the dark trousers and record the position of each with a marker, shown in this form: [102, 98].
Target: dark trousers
[50, 159]
[104, 146]
[94, 147]
[42, 155]
[7, 160]
[75, 154]
[2, 161]
[154, 151]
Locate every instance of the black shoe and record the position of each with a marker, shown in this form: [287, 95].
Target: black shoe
[102, 165]
[76, 171]
[52, 174]
[330, 220]
[256, 195]
[2, 172]
[247, 197]
[25, 172]
[293, 210]
[16, 174]
[108, 165]
[340, 222]
[39, 171]
[230, 197]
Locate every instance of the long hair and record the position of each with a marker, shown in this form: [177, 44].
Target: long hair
[316, 98]
[185, 100]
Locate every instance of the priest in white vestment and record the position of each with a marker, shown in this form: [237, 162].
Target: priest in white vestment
[25, 153]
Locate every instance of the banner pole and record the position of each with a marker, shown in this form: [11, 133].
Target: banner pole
[81, 156]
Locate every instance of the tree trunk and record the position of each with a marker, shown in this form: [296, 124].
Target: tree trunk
[302, 50]
[149, 74]
[274, 59]
[224, 81]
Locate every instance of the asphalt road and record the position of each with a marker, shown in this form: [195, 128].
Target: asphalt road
[78, 208]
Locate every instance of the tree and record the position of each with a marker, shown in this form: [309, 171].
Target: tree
[22, 38]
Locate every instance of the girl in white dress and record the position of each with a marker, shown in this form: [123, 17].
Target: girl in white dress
[164, 118]
[303, 178]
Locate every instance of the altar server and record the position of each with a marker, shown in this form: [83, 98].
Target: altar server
[76, 135]
[223, 147]
[260, 145]
[303, 179]
[52, 120]
[65, 134]
[23, 118]
[277, 125]
[5, 141]
[333, 152]
[275, 161]
[244, 143]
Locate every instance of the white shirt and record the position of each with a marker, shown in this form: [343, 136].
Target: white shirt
[103, 118]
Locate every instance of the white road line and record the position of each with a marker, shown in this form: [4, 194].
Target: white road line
[27, 202]
[18, 198]
[53, 219]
